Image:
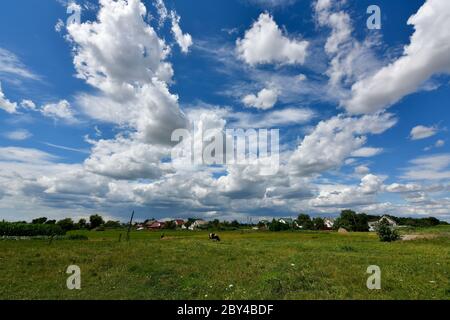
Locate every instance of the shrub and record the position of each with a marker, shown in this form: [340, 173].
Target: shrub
[29, 230]
[386, 232]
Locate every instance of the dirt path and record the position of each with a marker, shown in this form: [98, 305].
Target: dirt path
[409, 237]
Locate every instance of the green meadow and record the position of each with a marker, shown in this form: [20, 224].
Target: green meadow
[244, 265]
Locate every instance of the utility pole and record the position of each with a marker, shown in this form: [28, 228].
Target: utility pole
[129, 226]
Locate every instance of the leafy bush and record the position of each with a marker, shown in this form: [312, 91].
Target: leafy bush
[386, 232]
[29, 230]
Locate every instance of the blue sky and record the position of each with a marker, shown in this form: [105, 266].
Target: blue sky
[87, 109]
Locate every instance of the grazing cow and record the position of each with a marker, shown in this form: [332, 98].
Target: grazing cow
[214, 237]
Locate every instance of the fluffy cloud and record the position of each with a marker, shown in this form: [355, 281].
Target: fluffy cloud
[265, 43]
[18, 135]
[427, 54]
[342, 196]
[422, 132]
[403, 188]
[284, 117]
[119, 50]
[125, 159]
[366, 152]
[439, 143]
[435, 167]
[28, 105]
[334, 140]
[122, 56]
[362, 170]
[350, 59]
[184, 40]
[265, 99]
[371, 184]
[5, 104]
[61, 110]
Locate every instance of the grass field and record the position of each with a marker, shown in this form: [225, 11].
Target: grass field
[244, 265]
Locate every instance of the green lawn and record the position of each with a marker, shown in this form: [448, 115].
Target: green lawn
[244, 265]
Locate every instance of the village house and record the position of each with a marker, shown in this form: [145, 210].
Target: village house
[179, 223]
[329, 223]
[197, 224]
[287, 221]
[373, 224]
[157, 225]
[264, 224]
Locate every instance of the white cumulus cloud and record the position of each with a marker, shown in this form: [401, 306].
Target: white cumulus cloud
[422, 132]
[264, 43]
[5, 104]
[427, 54]
[18, 135]
[61, 110]
[334, 140]
[264, 99]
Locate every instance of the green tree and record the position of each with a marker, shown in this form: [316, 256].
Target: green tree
[319, 223]
[305, 222]
[352, 221]
[215, 224]
[82, 223]
[171, 225]
[96, 221]
[235, 224]
[39, 220]
[276, 225]
[112, 224]
[66, 224]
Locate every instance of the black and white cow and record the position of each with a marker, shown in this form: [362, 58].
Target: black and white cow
[214, 237]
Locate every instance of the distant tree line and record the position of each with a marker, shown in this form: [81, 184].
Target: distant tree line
[217, 225]
[21, 229]
[45, 227]
[420, 222]
[348, 220]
